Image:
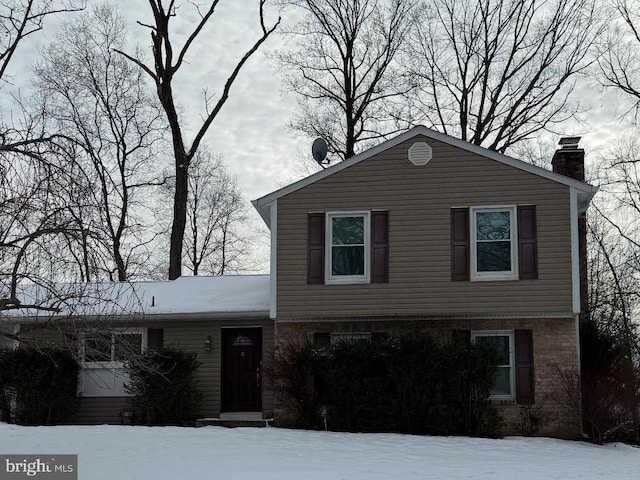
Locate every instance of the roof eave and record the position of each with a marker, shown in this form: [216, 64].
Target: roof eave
[264, 210]
[269, 198]
[585, 197]
[262, 204]
[145, 317]
[248, 315]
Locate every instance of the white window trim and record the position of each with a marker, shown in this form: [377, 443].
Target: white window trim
[347, 279]
[512, 358]
[112, 364]
[108, 376]
[491, 276]
[273, 262]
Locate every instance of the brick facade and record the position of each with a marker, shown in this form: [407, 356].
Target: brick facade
[555, 411]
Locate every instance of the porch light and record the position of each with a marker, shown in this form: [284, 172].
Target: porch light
[208, 343]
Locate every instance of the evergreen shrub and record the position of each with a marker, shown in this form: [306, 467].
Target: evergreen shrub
[164, 388]
[410, 384]
[610, 387]
[38, 386]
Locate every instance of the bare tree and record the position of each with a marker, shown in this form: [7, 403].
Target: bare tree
[46, 211]
[99, 99]
[613, 282]
[610, 389]
[495, 72]
[215, 211]
[614, 258]
[343, 69]
[35, 217]
[33, 184]
[610, 341]
[620, 172]
[215, 241]
[22, 18]
[168, 58]
[620, 51]
[620, 181]
[536, 151]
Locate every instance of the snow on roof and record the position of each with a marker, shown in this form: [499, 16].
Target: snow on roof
[240, 294]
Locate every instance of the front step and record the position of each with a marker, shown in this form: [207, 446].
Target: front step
[233, 423]
[240, 416]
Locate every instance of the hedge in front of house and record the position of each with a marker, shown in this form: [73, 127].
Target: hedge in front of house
[38, 386]
[610, 381]
[410, 384]
[164, 388]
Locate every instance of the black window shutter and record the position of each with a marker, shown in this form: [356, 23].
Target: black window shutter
[315, 256]
[527, 242]
[461, 338]
[379, 247]
[460, 248]
[524, 366]
[155, 339]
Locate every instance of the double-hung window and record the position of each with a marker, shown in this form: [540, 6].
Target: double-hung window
[103, 355]
[348, 247]
[494, 248]
[111, 347]
[503, 343]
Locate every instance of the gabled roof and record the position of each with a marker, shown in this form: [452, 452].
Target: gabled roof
[585, 191]
[210, 297]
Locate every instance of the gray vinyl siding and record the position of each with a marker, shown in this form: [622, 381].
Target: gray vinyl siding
[419, 201]
[192, 337]
[189, 334]
[99, 410]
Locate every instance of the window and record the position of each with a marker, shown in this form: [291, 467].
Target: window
[494, 253]
[502, 342]
[350, 337]
[348, 247]
[97, 347]
[103, 355]
[111, 346]
[494, 243]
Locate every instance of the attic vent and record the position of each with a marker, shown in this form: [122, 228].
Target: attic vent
[420, 154]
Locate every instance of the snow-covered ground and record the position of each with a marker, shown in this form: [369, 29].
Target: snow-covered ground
[157, 453]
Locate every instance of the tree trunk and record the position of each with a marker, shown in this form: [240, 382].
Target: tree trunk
[350, 141]
[120, 266]
[179, 216]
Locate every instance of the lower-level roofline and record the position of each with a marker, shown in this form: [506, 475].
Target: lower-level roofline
[435, 317]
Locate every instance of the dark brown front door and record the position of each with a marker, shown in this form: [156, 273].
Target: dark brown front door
[241, 375]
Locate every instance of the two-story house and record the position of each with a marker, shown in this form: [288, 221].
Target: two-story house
[423, 232]
[426, 232]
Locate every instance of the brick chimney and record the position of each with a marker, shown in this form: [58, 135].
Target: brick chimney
[568, 160]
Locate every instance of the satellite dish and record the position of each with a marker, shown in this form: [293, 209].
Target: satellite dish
[319, 151]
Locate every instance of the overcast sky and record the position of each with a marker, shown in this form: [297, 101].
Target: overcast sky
[252, 130]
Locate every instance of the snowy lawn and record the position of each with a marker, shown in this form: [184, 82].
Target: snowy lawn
[157, 453]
